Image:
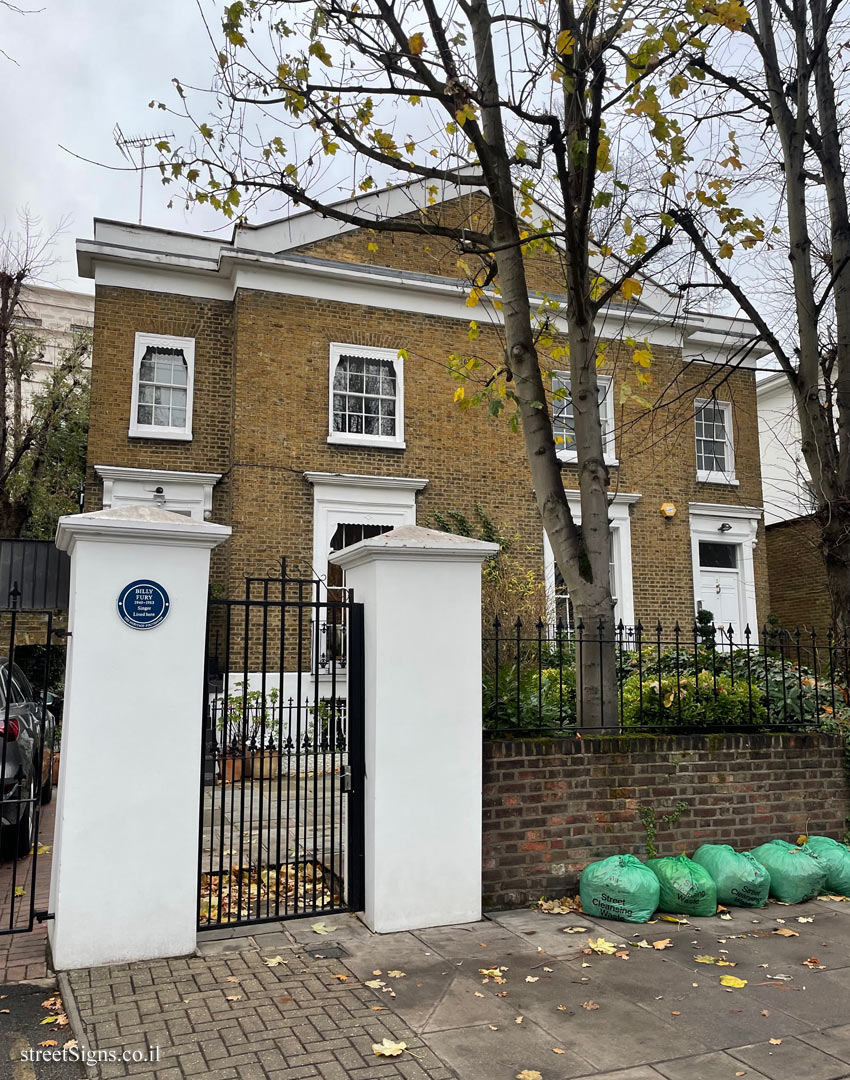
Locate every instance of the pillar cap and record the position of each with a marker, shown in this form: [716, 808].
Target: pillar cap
[417, 544]
[138, 525]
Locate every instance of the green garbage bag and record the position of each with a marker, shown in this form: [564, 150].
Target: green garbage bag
[740, 880]
[620, 887]
[796, 873]
[836, 858]
[686, 887]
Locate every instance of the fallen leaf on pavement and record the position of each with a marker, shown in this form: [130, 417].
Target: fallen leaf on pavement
[726, 916]
[71, 1044]
[565, 906]
[679, 919]
[707, 959]
[273, 961]
[375, 984]
[663, 943]
[575, 929]
[20, 890]
[377, 971]
[342, 978]
[558, 1050]
[765, 1012]
[561, 1008]
[675, 1013]
[589, 1005]
[529, 1074]
[600, 945]
[775, 1042]
[50, 1019]
[396, 974]
[48, 1042]
[54, 1004]
[387, 1048]
[805, 918]
[532, 978]
[320, 928]
[732, 980]
[234, 997]
[814, 964]
[519, 1020]
[642, 944]
[783, 931]
[233, 978]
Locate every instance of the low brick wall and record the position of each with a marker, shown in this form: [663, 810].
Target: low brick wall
[553, 805]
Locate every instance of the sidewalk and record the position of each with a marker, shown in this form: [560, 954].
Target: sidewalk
[641, 1012]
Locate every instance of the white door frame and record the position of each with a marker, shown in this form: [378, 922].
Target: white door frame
[706, 521]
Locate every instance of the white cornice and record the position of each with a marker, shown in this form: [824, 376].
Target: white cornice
[725, 510]
[122, 472]
[405, 483]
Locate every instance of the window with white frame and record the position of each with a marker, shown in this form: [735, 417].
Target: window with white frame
[366, 396]
[163, 383]
[715, 452]
[563, 416]
[562, 605]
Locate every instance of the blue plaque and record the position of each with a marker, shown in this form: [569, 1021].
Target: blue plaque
[143, 604]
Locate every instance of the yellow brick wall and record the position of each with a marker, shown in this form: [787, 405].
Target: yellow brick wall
[261, 418]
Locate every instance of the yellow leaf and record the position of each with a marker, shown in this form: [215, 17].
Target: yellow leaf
[600, 945]
[273, 961]
[643, 357]
[372, 246]
[783, 931]
[529, 1074]
[20, 890]
[320, 928]
[375, 984]
[802, 839]
[726, 250]
[732, 980]
[565, 43]
[416, 43]
[460, 393]
[705, 959]
[631, 289]
[387, 1048]
[396, 974]
[574, 929]
[775, 1042]
[680, 920]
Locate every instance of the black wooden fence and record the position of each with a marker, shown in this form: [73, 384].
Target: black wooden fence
[34, 575]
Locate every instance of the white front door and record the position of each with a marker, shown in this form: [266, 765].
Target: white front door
[720, 586]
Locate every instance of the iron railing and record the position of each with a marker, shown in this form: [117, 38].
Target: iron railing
[700, 679]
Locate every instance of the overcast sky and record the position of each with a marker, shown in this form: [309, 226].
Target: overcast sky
[80, 66]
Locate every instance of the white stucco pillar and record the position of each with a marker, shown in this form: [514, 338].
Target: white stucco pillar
[125, 856]
[421, 592]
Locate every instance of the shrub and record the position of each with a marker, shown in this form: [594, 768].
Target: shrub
[704, 701]
[526, 700]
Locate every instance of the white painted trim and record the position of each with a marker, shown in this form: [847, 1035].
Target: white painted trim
[744, 521]
[395, 442]
[145, 341]
[621, 525]
[157, 271]
[413, 483]
[710, 476]
[570, 453]
[140, 525]
[181, 490]
[358, 500]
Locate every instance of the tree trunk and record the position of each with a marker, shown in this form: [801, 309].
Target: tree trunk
[835, 548]
[13, 517]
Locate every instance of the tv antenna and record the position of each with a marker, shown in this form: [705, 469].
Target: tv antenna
[127, 145]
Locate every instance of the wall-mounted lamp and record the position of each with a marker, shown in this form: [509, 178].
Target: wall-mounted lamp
[668, 510]
[159, 496]
[725, 527]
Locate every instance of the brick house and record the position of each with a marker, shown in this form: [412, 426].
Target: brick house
[257, 381]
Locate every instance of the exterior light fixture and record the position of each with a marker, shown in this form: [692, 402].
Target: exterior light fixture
[725, 527]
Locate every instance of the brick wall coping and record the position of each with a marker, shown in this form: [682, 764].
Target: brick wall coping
[656, 744]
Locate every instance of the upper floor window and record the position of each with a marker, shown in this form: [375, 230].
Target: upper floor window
[563, 416]
[715, 452]
[163, 378]
[366, 397]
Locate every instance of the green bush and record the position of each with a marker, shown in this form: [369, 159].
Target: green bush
[544, 702]
[702, 701]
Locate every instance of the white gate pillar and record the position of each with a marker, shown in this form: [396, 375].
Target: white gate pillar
[421, 591]
[125, 858]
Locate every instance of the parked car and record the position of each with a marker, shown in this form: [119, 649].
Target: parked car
[26, 751]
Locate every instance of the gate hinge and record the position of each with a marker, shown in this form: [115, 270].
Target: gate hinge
[43, 916]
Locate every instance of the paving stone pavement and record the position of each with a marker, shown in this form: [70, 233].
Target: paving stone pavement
[661, 1015]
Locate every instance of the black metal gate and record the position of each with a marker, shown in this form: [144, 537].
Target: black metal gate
[281, 807]
[30, 663]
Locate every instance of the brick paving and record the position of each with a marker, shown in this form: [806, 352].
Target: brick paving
[558, 1009]
[227, 1014]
